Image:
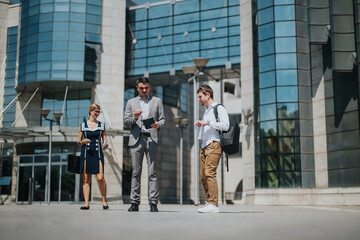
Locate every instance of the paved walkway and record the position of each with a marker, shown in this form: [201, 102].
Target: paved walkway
[173, 222]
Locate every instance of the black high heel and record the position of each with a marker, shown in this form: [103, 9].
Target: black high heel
[106, 207]
[84, 208]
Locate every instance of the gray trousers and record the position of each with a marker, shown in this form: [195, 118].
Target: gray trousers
[145, 145]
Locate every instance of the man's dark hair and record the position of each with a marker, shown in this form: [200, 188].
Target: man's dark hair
[143, 80]
[206, 89]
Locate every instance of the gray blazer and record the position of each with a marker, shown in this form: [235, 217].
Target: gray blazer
[156, 110]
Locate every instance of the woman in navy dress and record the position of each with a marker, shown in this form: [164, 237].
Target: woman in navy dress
[92, 135]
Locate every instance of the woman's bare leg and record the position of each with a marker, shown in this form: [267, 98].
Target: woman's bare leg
[86, 186]
[102, 184]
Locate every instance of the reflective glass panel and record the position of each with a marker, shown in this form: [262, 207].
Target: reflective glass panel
[265, 15]
[283, 29]
[284, 61]
[267, 96]
[284, 13]
[286, 77]
[266, 47]
[285, 45]
[287, 94]
[266, 63]
[287, 110]
[267, 112]
[268, 129]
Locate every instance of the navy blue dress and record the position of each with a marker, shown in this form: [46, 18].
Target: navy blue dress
[92, 152]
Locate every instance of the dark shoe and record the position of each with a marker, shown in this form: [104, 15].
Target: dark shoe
[84, 208]
[106, 207]
[134, 208]
[153, 208]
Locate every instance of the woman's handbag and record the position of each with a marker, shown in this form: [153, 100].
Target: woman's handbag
[73, 162]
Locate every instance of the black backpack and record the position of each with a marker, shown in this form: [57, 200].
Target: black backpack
[229, 140]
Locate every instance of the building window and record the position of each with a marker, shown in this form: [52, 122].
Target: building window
[229, 88]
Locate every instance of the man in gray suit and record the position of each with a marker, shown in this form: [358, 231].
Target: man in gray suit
[144, 141]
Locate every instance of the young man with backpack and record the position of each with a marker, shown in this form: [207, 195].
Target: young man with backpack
[209, 129]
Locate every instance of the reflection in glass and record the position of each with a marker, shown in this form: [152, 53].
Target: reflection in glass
[290, 162]
[290, 179]
[269, 163]
[289, 145]
[287, 110]
[288, 128]
[268, 146]
[269, 180]
[268, 129]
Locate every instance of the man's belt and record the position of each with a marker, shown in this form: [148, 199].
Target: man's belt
[147, 134]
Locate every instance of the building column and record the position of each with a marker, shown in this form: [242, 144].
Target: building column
[247, 99]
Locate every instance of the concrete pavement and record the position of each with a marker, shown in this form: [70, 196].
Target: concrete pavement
[38, 222]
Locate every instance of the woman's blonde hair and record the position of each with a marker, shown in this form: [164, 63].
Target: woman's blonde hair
[93, 107]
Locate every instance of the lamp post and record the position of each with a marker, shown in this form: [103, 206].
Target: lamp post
[57, 115]
[193, 72]
[181, 123]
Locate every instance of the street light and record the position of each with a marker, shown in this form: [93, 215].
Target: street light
[181, 123]
[57, 115]
[193, 72]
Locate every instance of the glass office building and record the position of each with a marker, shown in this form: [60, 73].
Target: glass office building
[287, 69]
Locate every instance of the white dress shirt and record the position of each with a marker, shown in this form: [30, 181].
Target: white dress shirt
[210, 133]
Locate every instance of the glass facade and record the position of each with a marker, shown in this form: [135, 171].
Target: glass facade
[169, 35]
[50, 31]
[75, 109]
[10, 75]
[277, 125]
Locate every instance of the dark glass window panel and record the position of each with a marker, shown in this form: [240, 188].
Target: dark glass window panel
[286, 77]
[13, 30]
[39, 159]
[290, 179]
[269, 180]
[30, 77]
[31, 58]
[284, 61]
[266, 63]
[33, 20]
[94, 2]
[290, 162]
[284, 29]
[269, 163]
[32, 29]
[267, 112]
[266, 47]
[31, 68]
[93, 38]
[91, 28]
[266, 31]
[289, 145]
[265, 15]
[26, 159]
[93, 19]
[33, 10]
[40, 183]
[284, 13]
[288, 128]
[67, 185]
[267, 96]
[287, 94]
[284, 45]
[268, 129]
[288, 110]
[24, 174]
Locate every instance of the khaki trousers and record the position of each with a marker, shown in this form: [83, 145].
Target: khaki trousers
[209, 162]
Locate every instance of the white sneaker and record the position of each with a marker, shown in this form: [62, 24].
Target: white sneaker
[210, 208]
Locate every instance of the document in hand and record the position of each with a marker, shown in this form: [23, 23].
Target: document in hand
[148, 121]
[106, 141]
